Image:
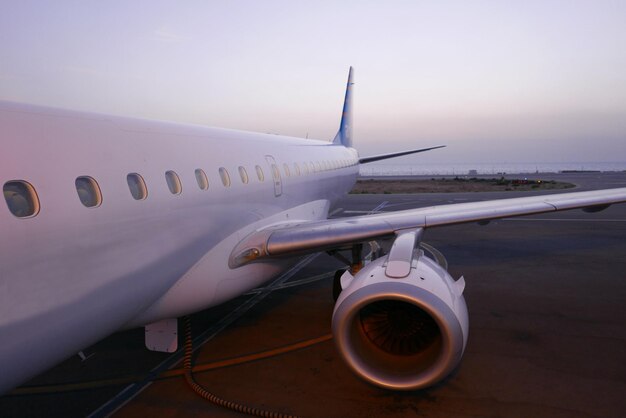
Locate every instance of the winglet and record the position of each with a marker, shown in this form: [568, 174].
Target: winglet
[344, 136]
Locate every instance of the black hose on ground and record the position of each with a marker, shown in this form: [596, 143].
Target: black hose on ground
[201, 391]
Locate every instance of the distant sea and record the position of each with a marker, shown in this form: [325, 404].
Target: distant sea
[485, 168]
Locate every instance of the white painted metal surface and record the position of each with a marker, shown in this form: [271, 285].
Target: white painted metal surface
[400, 258]
[162, 335]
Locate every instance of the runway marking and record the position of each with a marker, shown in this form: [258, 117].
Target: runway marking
[198, 368]
[379, 207]
[336, 211]
[250, 357]
[366, 212]
[294, 283]
[562, 220]
[131, 391]
[407, 202]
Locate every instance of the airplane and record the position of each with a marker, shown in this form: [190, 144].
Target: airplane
[113, 223]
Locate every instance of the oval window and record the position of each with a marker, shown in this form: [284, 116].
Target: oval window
[88, 191]
[201, 178]
[296, 168]
[275, 172]
[137, 186]
[173, 182]
[305, 168]
[243, 174]
[286, 168]
[225, 177]
[259, 173]
[21, 198]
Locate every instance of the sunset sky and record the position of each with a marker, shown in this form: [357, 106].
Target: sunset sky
[493, 80]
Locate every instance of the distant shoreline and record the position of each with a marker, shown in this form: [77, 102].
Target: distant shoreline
[490, 169]
[453, 185]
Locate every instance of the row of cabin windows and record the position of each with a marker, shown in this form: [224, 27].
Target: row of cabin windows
[23, 202]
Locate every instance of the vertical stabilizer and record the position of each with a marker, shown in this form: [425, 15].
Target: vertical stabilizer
[344, 136]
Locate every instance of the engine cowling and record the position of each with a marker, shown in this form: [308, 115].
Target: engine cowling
[401, 333]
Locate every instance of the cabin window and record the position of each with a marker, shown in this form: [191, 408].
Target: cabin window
[275, 172]
[305, 168]
[296, 168]
[243, 174]
[88, 191]
[286, 168]
[318, 166]
[312, 167]
[137, 186]
[21, 198]
[225, 177]
[201, 178]
[173, 182]
[259, 173]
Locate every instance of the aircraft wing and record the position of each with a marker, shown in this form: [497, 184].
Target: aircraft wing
[291, 239]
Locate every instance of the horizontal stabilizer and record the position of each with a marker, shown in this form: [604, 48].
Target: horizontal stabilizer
[379, 157]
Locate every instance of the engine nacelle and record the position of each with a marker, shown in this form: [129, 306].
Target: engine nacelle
[401, 333]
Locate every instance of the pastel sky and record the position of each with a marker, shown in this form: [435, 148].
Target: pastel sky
[494, 80]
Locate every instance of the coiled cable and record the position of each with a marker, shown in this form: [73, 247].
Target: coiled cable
[201, 391]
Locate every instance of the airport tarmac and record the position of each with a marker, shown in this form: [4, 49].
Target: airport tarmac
[547, 338]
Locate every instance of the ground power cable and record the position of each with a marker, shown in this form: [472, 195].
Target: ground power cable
[168, 374]
[202, 392]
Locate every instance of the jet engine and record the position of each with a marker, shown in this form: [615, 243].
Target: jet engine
[401, 322]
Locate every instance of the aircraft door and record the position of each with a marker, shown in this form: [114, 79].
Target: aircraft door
[278, 185]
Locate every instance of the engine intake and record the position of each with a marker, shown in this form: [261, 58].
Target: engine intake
[406, 333]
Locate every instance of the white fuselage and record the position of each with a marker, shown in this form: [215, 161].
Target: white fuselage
[72, 275]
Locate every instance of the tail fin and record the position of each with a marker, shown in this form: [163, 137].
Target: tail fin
[344, 136]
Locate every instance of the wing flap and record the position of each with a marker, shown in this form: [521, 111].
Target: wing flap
[287, 240]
